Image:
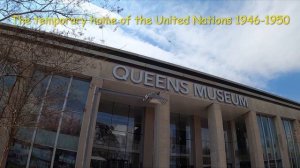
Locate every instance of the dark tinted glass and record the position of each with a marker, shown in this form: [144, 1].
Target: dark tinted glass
[120, 117]
[77, 95]
[49, 120]
[118, 136]
[41, 157]
[18, 154]
[25, 134]
[7, 80]
[269, 141]
[292, 146]
[70, 130]
[45, 137]
[57, 92]
[205, 143]
[64, 159]
[181, 154]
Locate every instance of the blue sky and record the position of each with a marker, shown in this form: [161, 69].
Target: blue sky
[264, 57]
[286, 85]
[261, 56]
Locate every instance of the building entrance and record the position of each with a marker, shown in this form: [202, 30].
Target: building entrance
[118, 136]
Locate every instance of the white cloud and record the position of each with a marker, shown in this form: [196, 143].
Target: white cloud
[247, 54]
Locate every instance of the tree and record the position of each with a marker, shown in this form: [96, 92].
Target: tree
[21, 83]
[50, 8]
[10, 9]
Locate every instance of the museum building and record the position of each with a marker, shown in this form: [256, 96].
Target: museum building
[125, 110]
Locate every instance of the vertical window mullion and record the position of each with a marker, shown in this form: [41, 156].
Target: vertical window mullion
[38, 119]
[60, 121]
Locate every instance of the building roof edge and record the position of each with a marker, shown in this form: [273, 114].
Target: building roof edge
[143, 59]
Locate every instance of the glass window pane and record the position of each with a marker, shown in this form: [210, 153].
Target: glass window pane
[205, 143]
[40, 157]
[71, 123]
[64, 159]
[120, 117]
[103, 134]
[17, 156]
[25, 134]
[6, 84]
[135, 128]
[40, 82]
[45, 137]
[70, 130]
[269, 141]
[181, 154]
[133, 143]
[118, 140]
[136, 114]
[49, 120]
[39, 85]
[134, 159]
[118, 136]
[57, 92]
[294, 155]
[102, 157]
[77, 95]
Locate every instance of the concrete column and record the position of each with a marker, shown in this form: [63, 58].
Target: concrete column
[162, 135]
[236, 161]
[197, 142]
[282, 142]
[86, 138]
[216, 135]
[148, 138]
[255, 146]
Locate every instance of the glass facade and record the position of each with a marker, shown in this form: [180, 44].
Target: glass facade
[181, 141]
[294, 154]
[119, 132]
[7, 80]
[205, 143]
[269, 140]
[118, 139]
[243, 155]
[228, 144]
[54, 142]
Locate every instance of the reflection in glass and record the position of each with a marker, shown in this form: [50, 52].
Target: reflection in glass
[269, 141]
[25, 134]
[56, 93]
[228, 143]
[40, 157]
[70, 130]
[64, 159]
[71, 123]
[118, 136]
[205, 143]
[17, 156]
[40, 80]
[294, 154]
[242, 144]
[52, 112]
[77, 95]
[45, 137]
[181, 154]
[49, 120]
[6, 84]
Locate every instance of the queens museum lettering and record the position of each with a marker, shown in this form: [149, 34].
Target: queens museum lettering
[178, 86]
